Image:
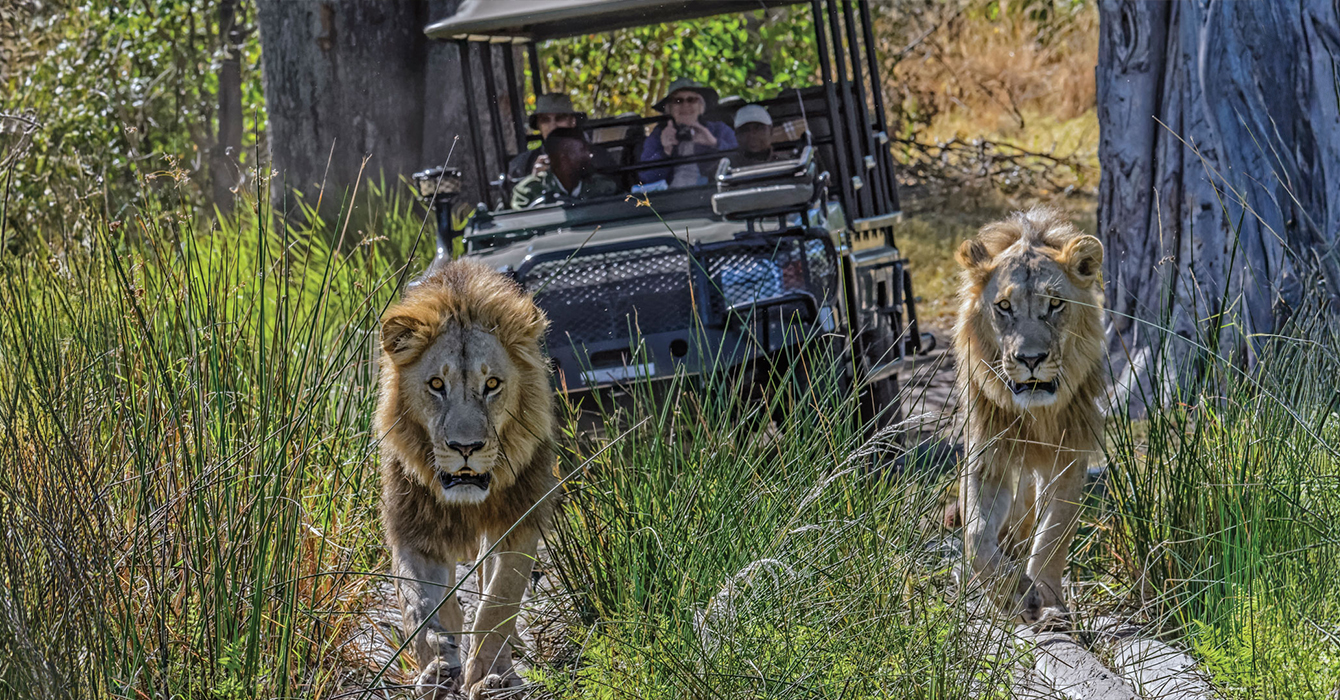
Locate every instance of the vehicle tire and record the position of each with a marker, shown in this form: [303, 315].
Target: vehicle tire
[881, 406]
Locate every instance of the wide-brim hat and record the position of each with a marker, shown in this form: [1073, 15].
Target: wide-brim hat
[553, 103]
[709, 95]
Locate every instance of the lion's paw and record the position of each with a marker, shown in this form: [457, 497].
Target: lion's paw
[438, 679]
[1026, 602]
[1055, 618]
[484, 688]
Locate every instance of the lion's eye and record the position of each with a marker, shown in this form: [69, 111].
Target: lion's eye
[1003, 305]
[436, 384]
[1056, 304]
[492, 384]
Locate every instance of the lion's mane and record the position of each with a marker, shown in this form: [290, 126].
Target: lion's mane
[1075, 419]
[466, 292]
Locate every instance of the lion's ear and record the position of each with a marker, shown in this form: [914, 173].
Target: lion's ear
[536, 323]
[1083, 258]
[540, 325]
[974, 257]
[972, 254]
[404, 336]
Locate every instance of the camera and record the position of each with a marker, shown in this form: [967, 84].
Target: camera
[683, 134]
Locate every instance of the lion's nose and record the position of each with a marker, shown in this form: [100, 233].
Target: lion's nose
[1031, 361]
[466, 448]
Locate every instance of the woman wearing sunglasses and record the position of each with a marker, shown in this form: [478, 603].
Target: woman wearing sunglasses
[685, 134]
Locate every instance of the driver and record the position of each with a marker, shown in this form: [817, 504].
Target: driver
[571, 173]
[686, 134]
[552, 111]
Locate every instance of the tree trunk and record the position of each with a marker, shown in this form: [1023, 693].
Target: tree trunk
[1220, 195]
[225, 172]
[344, 82]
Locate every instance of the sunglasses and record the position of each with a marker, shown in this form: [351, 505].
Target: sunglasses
[686, 100]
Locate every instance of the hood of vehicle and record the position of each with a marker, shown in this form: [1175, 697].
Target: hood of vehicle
[690, 230]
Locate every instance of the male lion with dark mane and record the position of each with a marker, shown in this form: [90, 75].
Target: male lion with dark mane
[467, 416]
[1028, 345]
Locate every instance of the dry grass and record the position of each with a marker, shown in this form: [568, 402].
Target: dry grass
[1019, 74]
[997, 74]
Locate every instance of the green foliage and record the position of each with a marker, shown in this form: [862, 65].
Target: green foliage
[126, 93]
[1049, 16]
[1267, 649]
[753, 55]
[713, 557]
[1225, 509]
[186, 454]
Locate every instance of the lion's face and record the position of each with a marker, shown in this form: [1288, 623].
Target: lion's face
[1028, 297]
[1030, 306]
[463, 392]
[466, 399]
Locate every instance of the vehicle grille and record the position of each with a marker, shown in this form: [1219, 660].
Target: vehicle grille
[602, 296]
[754, 271]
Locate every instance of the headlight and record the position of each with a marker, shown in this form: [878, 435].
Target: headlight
[746, 280]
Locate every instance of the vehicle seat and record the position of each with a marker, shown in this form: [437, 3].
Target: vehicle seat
[767, 188]
[625, 146]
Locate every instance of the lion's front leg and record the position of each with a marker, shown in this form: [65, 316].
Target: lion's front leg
[494, 636]
[422, 584]
[987, 501]
[1058, 502]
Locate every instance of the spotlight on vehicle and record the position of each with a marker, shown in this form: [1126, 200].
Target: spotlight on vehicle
[438, 185]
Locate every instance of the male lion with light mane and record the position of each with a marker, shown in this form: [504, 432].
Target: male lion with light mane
[1028, 342]
[466, 413]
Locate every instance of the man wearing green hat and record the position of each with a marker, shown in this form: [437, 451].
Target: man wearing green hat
[552, 111]
[686, 134]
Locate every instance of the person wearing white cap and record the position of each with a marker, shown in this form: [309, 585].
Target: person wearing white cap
[753, 129]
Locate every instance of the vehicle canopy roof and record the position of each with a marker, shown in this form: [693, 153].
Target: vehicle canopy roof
[538, 20]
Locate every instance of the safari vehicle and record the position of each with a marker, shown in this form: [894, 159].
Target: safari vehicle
[758, 262]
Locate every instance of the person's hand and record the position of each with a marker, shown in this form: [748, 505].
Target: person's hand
[702, 136]
[541, 165]
[668, 140]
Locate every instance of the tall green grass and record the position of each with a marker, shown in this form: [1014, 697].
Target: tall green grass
[712, 555]
[187, 462]
[1225, 509]
[188, 500]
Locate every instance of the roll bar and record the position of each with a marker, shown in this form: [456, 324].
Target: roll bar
[539, 20]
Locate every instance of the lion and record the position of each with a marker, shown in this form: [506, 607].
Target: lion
[1028, 344]
[466, 415]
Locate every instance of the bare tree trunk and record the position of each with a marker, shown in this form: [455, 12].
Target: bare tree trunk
[225, 172]
[344, 81]
[1220, 195]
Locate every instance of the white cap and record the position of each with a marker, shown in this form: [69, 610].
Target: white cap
[752, 114]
